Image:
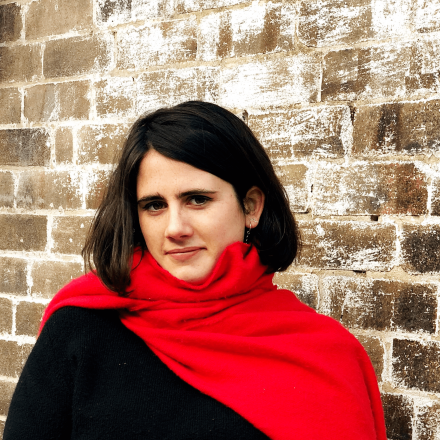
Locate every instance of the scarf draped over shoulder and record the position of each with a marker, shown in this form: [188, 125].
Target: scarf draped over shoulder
[292, 373]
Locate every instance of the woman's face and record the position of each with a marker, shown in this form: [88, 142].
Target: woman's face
[187, 216]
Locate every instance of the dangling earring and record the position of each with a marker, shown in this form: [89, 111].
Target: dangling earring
[248, 232]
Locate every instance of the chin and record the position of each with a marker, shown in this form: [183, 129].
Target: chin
[191, 276]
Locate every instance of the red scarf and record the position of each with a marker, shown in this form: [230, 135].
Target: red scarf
[294, 374]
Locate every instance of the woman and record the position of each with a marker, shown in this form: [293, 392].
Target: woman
[180, 333]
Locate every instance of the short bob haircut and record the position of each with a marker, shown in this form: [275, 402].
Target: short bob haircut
[207, 137]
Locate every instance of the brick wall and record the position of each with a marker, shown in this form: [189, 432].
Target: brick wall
[345, 96]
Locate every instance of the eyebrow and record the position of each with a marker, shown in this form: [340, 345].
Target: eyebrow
[191, 192]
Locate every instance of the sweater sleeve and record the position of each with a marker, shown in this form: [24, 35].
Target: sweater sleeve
[42, 401]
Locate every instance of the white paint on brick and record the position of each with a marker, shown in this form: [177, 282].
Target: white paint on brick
[427, 15]
[391, 18]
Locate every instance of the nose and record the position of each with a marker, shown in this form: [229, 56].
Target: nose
[179, 225]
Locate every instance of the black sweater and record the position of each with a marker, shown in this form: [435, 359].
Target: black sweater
[88, 377]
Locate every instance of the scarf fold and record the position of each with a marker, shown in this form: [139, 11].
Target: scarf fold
[292, 373]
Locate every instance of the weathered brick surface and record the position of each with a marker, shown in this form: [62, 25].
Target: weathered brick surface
[25, 147]
[272, 83]
[116, 96]
[184, 6]
[114, 12]
[157, 44]
[13, 357]
[77, 56]
[381, 304]
[421, 248]
[11, 22]
[63, 146]
[10, 110]
[399, 412]
[435, 198]
[50, 276]
[347, 245]
[428, 422]
[13, 276]
[294, 180]
[2, 428]
[6, 316]
[52, 17]
[170, 87]
[405, 128]
[96, 184]
[366, 188]
[28, 318]
[49, 189]
[100, 143]
[20, 63]
[374, 347]
[257, 29]
[427, 16]
[305, 286]
[6, 391]
[6, 189]
[296, 134]
[416, 365]
[69, 233]
[19, 232]
[57, 102]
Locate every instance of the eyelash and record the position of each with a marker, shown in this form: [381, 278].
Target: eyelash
[203, 199]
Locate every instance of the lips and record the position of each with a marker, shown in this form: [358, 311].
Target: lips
[183, 254]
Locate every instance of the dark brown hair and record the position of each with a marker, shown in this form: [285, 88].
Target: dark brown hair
[207, 137]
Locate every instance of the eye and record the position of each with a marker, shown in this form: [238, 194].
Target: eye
[154, 206]
[199, 200]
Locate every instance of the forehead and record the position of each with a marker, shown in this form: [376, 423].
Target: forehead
[158, 173]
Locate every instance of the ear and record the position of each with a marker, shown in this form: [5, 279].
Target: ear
[254, 204]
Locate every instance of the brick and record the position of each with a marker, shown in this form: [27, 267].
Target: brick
[6, 317]
[28, 318]
[321, 132]
[420, 248]
[50, 276]
[69, 234]
[257, 29]
[416, 365]
[332, 22]
[375, 350]
[11, 22]
[383, 305]
[271, 83]
[77, 56]
[304, 286]
[427, 16]
[54, 17]
[13, 276]
[100, 143]
[57, 102]
[96, 185]
[2, 428]
[366, 73]
[427, 424]
[20, 63]
[170, 87]
[25, 147]
[49, 189]
[435, 197]
[399, 413]
[294, 179]
[6, 189]
[405, 128]
[10, 110]
[185, 6]
[13, 357]
[6, 391]
[63, 146]
[157, 44]
[116, 97]
[347, 245]
[370, 189]
[20, 232]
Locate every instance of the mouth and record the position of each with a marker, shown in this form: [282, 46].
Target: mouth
[183, 254]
